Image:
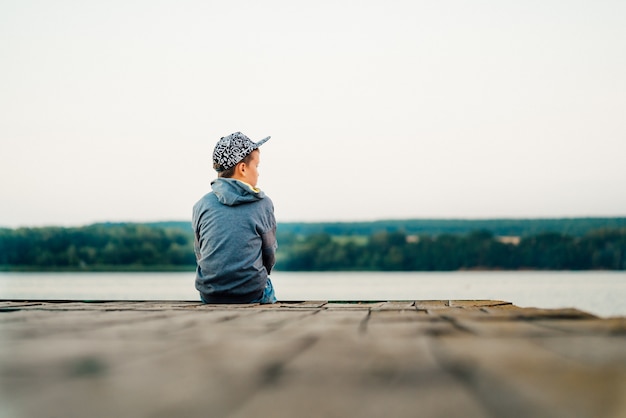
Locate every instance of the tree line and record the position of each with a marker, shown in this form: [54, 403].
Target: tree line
[96, 247]
[576, 227]
[154, 247]
[397, 251]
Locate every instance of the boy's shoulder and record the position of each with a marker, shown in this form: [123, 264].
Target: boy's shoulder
[207, 199]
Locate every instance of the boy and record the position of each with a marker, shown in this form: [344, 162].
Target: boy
[235, 228]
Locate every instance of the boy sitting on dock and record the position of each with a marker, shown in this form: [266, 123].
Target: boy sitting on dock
[235, 228]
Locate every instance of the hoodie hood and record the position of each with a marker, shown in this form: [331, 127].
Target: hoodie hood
[233, 192]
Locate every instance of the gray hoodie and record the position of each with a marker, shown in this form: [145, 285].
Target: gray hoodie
[235, 242]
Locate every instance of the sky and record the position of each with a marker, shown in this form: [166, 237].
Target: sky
[377, 109]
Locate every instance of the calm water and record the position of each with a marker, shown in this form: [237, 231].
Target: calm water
[601, 293]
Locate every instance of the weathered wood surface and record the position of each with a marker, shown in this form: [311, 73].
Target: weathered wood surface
[308, 359]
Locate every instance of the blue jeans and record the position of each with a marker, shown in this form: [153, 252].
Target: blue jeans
[268, 294]
[267, 297]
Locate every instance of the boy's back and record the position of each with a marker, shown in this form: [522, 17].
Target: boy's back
[235, 233]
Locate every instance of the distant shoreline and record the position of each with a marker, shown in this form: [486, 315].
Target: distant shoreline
[413, 245]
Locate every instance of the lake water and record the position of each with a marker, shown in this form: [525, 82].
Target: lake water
[598, 292]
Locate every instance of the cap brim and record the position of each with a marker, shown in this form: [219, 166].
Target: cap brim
[261, 142]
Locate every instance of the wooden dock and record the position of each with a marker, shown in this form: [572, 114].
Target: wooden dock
[308, 359]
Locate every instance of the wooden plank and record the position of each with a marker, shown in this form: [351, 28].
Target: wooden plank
[478, 303]
[395, 306]
[515, 377]
[361, 375]
[593, 351]
[155, 378]
[459, 312]
[39, 325]
[507, 312]
[504, 328]
[592, 326]
[408, 315]
[405, 328]
[312, 304]
[362, 306]
[104, 306]
[427, 305]
[537, 313]
[445, 304]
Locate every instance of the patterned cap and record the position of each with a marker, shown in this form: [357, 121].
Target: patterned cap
[233, 148]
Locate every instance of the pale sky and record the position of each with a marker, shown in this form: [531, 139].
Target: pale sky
[383, 109]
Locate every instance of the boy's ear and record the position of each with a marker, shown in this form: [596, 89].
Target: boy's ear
[240, 168]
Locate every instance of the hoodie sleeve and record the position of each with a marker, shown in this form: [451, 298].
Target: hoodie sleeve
[269, 246]
[268, 240]
[269, 250]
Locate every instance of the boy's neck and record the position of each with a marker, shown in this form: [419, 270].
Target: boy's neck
[254, 189]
